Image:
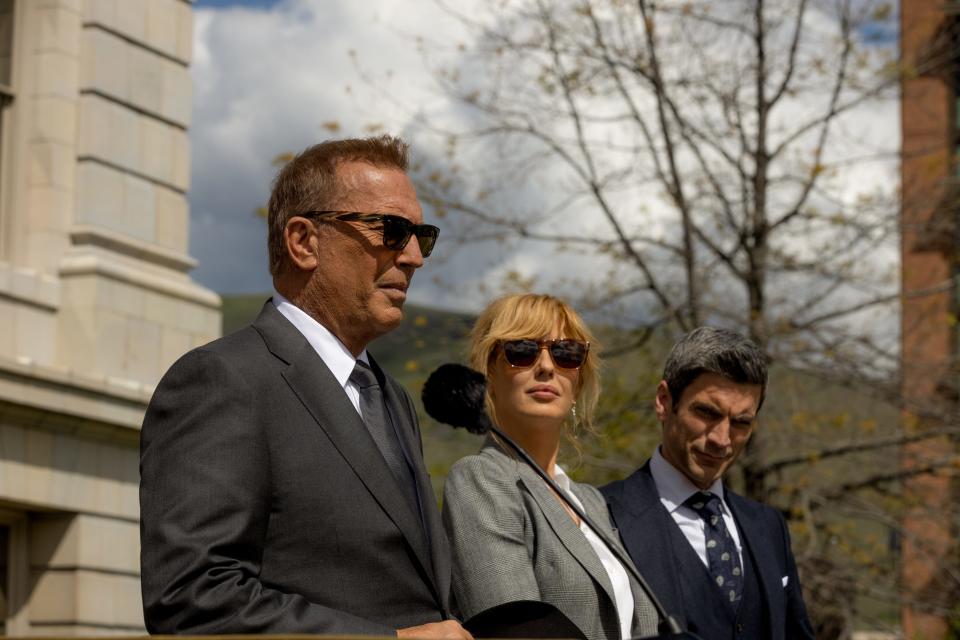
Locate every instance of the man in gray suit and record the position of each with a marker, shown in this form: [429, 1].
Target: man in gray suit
[283, 488]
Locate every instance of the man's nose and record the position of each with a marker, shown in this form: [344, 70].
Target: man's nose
[411, 255]
[719, 434]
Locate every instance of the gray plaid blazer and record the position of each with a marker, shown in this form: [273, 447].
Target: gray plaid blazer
[512, 540]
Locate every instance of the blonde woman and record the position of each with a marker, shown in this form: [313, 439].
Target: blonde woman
[512, 537]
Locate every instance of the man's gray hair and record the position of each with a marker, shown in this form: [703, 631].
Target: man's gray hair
[713, 350]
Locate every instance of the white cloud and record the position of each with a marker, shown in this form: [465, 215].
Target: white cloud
[265, 82]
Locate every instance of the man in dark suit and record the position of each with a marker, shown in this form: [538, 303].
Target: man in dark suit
[720, 563]
[283, 488]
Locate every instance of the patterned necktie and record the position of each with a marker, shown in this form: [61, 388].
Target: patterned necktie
[722, 556]
[374, 413]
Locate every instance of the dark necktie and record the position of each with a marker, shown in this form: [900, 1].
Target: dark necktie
[380, 426]
[722, 556]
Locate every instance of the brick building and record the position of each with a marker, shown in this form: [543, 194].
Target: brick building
[930, 49]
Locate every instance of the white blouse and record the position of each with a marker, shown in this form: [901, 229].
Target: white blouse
[617, 574]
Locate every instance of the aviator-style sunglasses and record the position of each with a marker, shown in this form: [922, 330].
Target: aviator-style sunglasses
[396, 229]
[567, 353]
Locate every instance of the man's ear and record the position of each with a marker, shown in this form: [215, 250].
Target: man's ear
[662, 401]
[299, 239]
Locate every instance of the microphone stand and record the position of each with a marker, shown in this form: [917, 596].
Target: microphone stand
[667, 625]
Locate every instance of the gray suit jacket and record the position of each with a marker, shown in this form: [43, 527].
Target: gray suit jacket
[266, 507]
[512, 540]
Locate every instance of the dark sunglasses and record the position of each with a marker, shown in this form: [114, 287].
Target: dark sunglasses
[396, 229]
[566, 352]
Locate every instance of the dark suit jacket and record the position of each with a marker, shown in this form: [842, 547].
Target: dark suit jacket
[644, 526]
[266, 506]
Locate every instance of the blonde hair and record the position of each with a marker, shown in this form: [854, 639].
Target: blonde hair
[532, 315]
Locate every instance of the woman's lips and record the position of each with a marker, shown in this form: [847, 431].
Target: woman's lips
[543, 391]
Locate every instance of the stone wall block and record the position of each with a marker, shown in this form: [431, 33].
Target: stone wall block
[162, 25]
[36, 334]
[125, 298]
[157, 145]
[173, 344]
[81, 596]
[110, 599]
[53, 540]
[181, 170]
[49, 209]
[177, 95]
[172, 220]
[62, 471]
[142, 361]
[100, 11]
[184, 30]
[53, 597]
[139, 143]
[76, 459]
[59, 30]
[162, 309]
[55, 120]
[7, 333]
[107, 63]
[139, 209]
[100, 195]
[109, 132]
[133, 75]
[13, 449]
[38, 451]
[43, 249]
[128, 468]
[51, 164]
[106, 543]
[77, 335]
[194, 318]
[146, 79]
[111, 341]
[58, 74]
[70, 541]
[131, 18]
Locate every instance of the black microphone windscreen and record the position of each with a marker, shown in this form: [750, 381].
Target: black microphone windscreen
[454, 395]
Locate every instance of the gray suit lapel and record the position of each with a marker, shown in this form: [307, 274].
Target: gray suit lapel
[323, 397]
[566, 529]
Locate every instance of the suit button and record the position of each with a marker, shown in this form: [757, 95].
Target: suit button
[739, 627]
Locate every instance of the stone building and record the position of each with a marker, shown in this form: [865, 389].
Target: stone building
[95, 296]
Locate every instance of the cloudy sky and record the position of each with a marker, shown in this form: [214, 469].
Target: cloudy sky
[273, 76]
[270, 76]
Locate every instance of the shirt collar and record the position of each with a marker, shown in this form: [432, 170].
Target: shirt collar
[561, 478]
[333, 352]
[674, 487]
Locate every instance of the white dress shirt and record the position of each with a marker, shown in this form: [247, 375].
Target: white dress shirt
[615, 571]
[333, 353]
[674, 489]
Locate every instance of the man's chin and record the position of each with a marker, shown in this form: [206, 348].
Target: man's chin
[389, 318]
